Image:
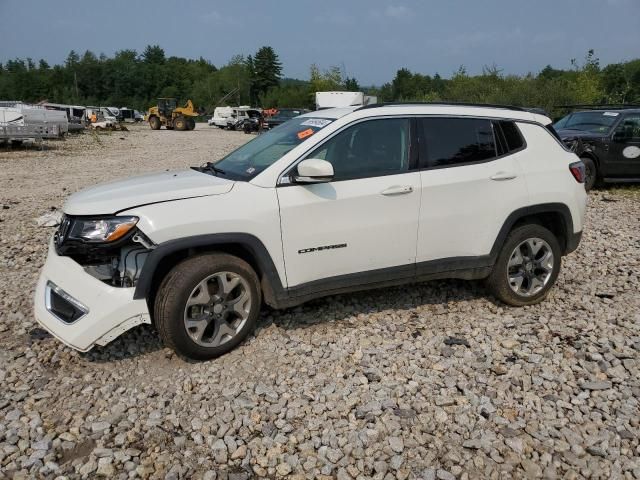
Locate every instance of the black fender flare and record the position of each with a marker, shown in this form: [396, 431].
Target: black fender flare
[572, 239]
[249, 242]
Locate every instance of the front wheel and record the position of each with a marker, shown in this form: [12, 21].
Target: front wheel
[207, 305]
[154, 123]
[180, 123]
[191, 123]
[527, 266]
[590, 173]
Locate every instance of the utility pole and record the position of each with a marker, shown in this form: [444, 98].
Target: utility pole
[75, 81]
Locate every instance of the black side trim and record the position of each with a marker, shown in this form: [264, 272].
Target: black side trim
[462, 265]
[621, 179]
[251, 243]
[351, 280]
[467, 268]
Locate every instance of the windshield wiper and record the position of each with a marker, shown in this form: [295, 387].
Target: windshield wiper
[212, 168]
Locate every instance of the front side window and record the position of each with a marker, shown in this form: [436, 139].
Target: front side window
[453, 141]
[260, 153]
[371, 148]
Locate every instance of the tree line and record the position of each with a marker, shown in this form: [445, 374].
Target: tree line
[137, 80]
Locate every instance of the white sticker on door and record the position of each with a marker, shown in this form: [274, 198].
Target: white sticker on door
[631, 152]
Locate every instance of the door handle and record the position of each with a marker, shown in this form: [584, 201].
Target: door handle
[501, 176]
[397, 190]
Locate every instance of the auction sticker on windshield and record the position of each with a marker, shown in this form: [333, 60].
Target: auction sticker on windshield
[610, 114]
[305, 133]
[316, 122]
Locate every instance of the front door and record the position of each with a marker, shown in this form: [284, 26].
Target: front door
[361, 227]
[623, 159]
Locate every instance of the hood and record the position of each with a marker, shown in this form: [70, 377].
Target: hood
[568, 133]
[113, 197]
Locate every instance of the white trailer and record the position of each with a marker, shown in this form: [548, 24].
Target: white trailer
[220, 116]
[342, 99]
[30, 121]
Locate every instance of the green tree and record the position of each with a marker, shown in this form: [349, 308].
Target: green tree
[329, 80]
[153, 54]
[351, 85]
[267, 71]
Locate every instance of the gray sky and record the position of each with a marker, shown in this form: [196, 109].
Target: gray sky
[371, 39]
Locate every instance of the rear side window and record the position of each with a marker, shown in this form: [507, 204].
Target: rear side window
[454, 141]
[553, 132]
[512, 135]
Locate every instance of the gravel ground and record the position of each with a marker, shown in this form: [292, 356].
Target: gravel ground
[432, 381]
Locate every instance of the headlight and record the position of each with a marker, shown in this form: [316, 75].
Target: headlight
[101, 229]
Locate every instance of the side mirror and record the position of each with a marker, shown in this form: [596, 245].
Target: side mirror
[313, 170]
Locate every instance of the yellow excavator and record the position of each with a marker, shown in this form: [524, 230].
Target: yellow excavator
[167, 113]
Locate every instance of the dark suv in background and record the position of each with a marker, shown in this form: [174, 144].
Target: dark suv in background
[607, 139]
[284, 115]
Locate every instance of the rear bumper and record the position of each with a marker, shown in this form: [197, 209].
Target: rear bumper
[107, 311]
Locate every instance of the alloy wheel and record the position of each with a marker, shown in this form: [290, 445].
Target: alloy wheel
[217, 309]
[530, 267]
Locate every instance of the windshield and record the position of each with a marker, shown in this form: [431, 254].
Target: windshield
[596, 122]
[288, 113]
[260, 153]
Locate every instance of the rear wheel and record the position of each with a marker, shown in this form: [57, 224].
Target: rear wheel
[527, 266]
[191, 124]
[590, 173]
[207, 305]
[154, 123]
[180, 123]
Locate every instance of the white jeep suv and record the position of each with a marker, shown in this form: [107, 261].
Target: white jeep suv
[332, 201]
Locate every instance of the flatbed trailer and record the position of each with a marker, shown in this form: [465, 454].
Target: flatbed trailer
[24, 132]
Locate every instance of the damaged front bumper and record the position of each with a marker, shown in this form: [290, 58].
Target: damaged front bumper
[80, 310]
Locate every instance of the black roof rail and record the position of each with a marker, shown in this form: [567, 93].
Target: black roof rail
[455, 104]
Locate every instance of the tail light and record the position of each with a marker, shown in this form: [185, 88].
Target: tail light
[578, 171]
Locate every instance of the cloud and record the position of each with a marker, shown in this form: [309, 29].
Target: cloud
[214, 17]
[337, 19]
[391, 12]
[396, 11]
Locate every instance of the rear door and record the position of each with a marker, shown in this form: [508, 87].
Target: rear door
[624, 149]
[361, 227]
[471, 182]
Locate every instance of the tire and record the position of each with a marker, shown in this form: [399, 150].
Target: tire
[154, 123]
[191, 124]
[180, 123]
[220, 326]
[591, 173]
[530, 282]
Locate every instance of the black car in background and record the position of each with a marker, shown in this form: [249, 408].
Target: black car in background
[283, 115]
[607, 140]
